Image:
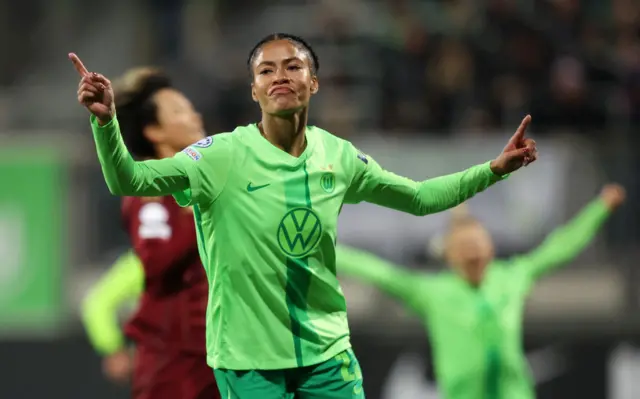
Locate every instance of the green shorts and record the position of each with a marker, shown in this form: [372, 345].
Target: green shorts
[337, 378]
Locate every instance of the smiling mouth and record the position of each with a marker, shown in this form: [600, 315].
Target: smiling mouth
[280, 90]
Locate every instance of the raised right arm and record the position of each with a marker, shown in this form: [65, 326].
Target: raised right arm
[125, 176]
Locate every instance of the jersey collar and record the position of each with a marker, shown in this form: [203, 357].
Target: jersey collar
[274, 153]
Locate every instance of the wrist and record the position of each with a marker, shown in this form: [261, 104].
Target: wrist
[104, 119]
[495, 169]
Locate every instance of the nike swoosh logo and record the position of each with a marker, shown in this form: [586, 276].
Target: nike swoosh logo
[251, 188]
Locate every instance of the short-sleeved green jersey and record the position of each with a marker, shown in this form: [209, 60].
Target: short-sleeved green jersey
[476, 333]
[267, 230]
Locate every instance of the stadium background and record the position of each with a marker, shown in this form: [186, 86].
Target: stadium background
[426, 87]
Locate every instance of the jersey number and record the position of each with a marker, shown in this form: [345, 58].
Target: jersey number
[347, 374]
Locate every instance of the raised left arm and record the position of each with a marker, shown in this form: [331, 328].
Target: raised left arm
[568, 241]
[373, 184]
[387, 189]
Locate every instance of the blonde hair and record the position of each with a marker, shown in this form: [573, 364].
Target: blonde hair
[459, 217]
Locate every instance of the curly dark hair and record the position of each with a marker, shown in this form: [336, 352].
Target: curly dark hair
[296, 40]
[136, 109]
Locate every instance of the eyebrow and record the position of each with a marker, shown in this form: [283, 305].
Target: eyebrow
[273, 63]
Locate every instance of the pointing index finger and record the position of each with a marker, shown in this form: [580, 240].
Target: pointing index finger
[519, 134]
[78, 64]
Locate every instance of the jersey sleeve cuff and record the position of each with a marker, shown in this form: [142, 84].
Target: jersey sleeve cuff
[494, 177]
[96, 127]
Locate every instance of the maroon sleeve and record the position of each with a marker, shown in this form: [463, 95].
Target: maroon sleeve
[162, 233]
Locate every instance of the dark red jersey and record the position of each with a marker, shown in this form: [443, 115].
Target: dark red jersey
[171, 312]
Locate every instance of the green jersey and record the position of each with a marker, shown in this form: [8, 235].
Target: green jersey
[266, 226]
[476, 334]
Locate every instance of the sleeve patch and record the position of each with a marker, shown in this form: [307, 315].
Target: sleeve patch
[204, 143]
[192, 153]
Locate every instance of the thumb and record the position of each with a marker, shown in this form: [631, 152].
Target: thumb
[519, 153]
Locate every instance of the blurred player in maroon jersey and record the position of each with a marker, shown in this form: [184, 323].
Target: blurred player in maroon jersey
[168, 328]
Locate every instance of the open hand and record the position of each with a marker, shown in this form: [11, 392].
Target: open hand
[94, 92]
[613, 195]
[519, 151]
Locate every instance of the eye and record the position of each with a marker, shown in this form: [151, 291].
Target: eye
[265, 71]
[294, 67]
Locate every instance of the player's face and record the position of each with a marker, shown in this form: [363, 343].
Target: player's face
[282, 78]
[179, 125]
[469, 251]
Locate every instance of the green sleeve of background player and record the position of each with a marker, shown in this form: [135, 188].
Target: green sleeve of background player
[392, 279]
[564, 243]
[122, 283]
[376, 185]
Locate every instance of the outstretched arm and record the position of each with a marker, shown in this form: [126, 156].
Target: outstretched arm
[373, 184]
[387, 189]
[392, 279]
[123, 282]
[568, 241]
[124, 176]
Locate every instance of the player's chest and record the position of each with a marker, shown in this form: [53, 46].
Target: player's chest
[311, 191]
[498, 308]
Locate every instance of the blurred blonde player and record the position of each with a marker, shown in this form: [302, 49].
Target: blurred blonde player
[474, 312]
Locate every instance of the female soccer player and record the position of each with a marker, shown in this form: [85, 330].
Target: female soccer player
[266, 200]
[474, 313]
[168, 328]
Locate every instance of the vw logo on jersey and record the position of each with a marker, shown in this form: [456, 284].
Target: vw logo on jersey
[299, 232]
[328, 182]
[205, 142]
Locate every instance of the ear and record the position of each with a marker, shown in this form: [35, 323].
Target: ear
[315, 85]
[153, 133]
[253, 93]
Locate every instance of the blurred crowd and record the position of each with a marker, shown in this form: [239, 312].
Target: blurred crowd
[436, 66]
[443, 66]
[573, 64]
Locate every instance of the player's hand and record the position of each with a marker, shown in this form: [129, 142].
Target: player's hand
[94, 92]
[613, 195]
[118, 367]
[519, 152]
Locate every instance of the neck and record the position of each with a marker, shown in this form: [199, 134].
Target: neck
[286, 133]
[164, 151]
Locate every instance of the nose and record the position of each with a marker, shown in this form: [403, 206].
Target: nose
[281, 76]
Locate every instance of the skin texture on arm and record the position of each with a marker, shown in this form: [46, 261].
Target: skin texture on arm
[123, 282]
